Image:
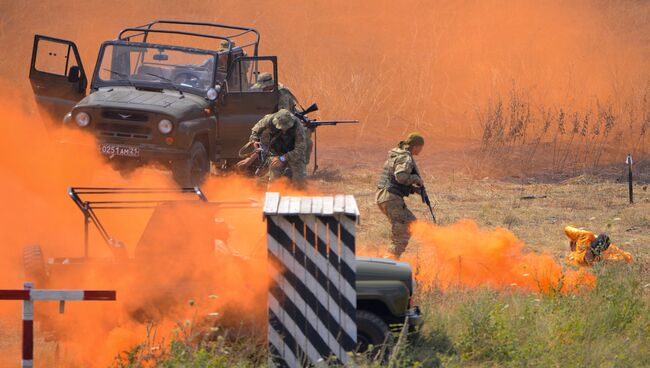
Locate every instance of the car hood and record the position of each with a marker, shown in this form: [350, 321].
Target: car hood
[169, 102]
[380, 269]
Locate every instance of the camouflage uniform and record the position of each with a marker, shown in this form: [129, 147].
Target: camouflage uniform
[396, 182]
[287, 101]
[286, 138]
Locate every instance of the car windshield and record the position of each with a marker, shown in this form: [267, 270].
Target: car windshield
[154, 66]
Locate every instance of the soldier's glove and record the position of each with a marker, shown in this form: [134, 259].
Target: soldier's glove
[276, 163]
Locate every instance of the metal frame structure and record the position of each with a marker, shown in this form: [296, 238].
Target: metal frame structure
[88, 207]
[126, 36]
[145, 29]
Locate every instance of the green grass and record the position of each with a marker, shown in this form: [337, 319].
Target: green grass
[607, 326]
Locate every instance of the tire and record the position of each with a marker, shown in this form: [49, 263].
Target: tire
[192, 172]
[372, 330]
[34, 265]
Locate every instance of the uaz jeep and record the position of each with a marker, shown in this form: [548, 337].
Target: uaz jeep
[169, 92]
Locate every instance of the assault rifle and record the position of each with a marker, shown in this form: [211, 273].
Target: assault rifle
[422, 191]
[312, 124]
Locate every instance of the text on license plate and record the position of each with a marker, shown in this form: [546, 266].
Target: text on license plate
[119, 150]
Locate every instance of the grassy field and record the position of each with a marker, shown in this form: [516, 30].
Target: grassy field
[608, 325]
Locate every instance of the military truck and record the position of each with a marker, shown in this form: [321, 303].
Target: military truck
[168, 92]
[384, 287]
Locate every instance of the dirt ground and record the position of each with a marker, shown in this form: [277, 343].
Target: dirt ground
[536, 209]
[535, 212]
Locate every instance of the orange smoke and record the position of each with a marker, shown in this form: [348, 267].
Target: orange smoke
[396, 66]
[464, 255]
[180, 264]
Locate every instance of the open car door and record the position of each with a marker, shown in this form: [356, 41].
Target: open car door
[57, 76]
[244, 105]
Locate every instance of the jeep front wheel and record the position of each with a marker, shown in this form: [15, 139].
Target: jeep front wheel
[372, 330]
[192, 172]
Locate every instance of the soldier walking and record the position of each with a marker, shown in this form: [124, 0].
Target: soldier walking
[398, 180]
[285, 138]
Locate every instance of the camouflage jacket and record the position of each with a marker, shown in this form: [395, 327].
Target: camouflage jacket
[287, 99]
[400, 168]
[265, 132]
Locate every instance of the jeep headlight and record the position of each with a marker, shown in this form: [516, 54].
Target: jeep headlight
[82, 119]
[165, 126]
[212, 93]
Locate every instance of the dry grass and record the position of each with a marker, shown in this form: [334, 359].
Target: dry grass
[596, 204]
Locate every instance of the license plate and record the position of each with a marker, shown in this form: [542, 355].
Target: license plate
[119, 150]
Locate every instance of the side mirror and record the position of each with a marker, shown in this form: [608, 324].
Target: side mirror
[313, 107]
[74, 74]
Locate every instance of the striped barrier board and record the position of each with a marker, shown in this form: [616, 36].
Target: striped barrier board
[312, 296]
[28, 295]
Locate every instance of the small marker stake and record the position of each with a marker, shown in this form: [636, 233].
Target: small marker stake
[628, 161]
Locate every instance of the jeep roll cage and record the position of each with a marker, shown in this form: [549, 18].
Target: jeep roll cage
[145, 29]
[222, 32]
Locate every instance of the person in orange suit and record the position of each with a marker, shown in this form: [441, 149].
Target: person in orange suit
[587, 248]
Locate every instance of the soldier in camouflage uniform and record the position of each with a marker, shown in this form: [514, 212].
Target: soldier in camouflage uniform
[397, 181]
[285, 138]
[287, 101]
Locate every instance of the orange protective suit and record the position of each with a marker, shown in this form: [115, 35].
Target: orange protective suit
[580, 242]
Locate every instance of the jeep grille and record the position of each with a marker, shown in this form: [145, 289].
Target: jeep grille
[125, 116]
[123, 131]
[124, 124]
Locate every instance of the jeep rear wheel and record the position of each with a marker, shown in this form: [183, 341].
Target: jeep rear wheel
[34, 265]
[372, 330]
[192, 172]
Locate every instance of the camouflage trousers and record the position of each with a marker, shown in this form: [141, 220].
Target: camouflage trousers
[400, 218]
[298, 171]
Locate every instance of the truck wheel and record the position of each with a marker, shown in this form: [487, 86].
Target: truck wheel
[34, 265]
[372, 330]
[192, 172]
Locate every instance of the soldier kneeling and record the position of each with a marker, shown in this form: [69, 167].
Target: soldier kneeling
[285, 143]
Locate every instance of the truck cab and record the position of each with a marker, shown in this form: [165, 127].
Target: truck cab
[169, 92]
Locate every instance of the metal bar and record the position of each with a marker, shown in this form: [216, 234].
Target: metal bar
[14, 294]
[100, 295]
[184, 33]
[85, 233]
[205, 24]
[67, 61]
[105, 235]
[127, 202]
[628, 161]
[171, 190]
[28, 330]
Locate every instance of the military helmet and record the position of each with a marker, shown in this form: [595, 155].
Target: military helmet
[225, 45]
[283, 119]
[263, 80]
[414, 139]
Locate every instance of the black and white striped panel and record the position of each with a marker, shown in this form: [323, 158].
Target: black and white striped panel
[312, 297]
